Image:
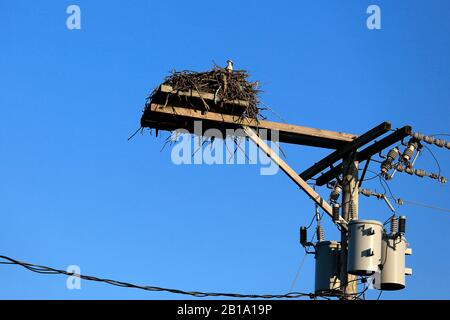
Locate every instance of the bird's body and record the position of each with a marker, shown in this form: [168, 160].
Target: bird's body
[229, 66]
[229, 69]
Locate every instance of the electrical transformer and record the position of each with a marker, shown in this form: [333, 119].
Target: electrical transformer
[364, 247]
[393, 251]
[327, 267]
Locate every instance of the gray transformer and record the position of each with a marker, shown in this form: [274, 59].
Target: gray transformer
[364, 247]
[393, 251]
[327, 280]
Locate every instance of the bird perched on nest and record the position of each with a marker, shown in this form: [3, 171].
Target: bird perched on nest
[229, 66]
[229, 69]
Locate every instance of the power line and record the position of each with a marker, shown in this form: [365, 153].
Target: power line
[387, 186]
[401, 201]
[302, 262]
[420, 204]
[379, 295]
[47, 270]
[435, 159]
[440, 134]
[297, 274]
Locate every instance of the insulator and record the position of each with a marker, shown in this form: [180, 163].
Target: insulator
[402, 225]
[390, 157]
[418, 135]
[428, 139]
[335, 209]
[366, 192]
[394, 225]
[442, 179]
[320, 233]
[409, 170]
[409, 151]
[421, 173]
[336, 192]
[332, 184]
[434, 176]
[439, 142]
[303, 236]
[385, 167]
[447, 145]
[393, 154]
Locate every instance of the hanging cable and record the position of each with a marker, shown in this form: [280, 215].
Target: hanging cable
[400, 201]
[48, 270]
[435, 159]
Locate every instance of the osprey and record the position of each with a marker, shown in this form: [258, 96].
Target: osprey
[229, 66]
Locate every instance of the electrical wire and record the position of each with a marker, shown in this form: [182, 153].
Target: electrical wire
[358, 297]
[47, 270]
[314, 215]
[435, 159]
[371, 178]
[312, 221]
[379, 295]
[302, 262]
[416, 203]
[382, 182]
[440, 134]
[297, 274]
[420, 204]
[387, 186]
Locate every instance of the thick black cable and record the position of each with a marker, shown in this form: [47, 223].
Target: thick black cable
[48, 270]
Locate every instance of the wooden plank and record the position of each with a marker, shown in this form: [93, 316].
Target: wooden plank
[175, 117]
[201, 95]
[329, 175]
[345, 150]
[378, 146]
[367, 153]
[292, 174]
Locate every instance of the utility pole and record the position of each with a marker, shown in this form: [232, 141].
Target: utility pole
[349, 212]
[340, 166]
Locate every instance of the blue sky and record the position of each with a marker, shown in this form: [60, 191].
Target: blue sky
[75, 191]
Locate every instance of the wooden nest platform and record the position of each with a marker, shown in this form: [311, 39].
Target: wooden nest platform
[222, 100]
[218, 90]
[170, 118]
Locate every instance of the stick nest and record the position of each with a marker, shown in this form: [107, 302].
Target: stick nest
[226, 87]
